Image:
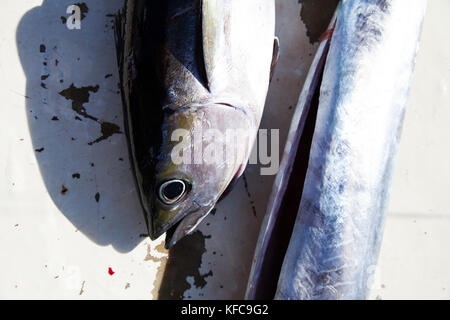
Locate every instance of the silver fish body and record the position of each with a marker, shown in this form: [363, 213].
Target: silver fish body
[367, 72]
[195, 65]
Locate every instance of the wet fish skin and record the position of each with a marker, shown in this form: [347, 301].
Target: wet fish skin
[179, 71]
[336, 239]
[283, 204]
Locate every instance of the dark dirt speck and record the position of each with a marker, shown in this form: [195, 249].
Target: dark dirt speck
[108, 129]
[317, 14]
[64, 190]
[80, 96]
[84, 9]
[252, 203]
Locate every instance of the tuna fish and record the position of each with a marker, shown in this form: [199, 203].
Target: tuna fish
[321, 235]
[196, 65]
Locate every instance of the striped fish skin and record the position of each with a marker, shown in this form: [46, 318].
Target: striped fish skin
[192, 65]
[337, 235]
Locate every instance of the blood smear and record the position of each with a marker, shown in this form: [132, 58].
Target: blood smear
[110, 271]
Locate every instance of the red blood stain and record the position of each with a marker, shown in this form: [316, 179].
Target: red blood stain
[110, 271]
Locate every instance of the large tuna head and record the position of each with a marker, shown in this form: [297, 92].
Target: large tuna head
[194, 78]
[204, 148]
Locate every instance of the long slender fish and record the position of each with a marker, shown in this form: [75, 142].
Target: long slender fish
[323, 228]
[197, 65]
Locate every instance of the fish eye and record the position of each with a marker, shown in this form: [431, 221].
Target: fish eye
[172, 191]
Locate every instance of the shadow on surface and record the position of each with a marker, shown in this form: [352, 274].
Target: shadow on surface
[75, 120]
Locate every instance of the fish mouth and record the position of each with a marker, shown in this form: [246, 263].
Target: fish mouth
[186, 225]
